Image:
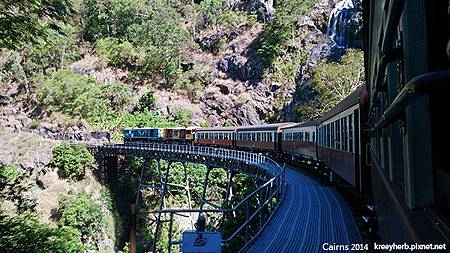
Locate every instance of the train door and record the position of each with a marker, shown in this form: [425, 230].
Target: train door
[278, 146]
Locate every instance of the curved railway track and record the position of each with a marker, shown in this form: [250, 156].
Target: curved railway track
[310, 215]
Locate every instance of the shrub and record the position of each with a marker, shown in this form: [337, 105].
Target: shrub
[122, 55]
[192, 84]
[182, 117]
[71, 161]
[80, 96]
[82, 213]
[9, 174]
[211, 11]
[147, 100]
[25, 234]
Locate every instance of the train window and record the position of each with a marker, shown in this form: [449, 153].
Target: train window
[338, 136]
[345, 135]
[314, 137]
[333, 135]
[321, 136]
[350, 133]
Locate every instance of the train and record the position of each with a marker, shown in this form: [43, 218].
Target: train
[388, 139]
[333, 140]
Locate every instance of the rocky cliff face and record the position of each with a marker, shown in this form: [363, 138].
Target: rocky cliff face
[343, 30]
[237, 91]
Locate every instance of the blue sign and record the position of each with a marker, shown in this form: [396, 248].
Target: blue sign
[202, 242]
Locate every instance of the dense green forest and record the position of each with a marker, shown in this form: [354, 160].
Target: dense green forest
[72, 67]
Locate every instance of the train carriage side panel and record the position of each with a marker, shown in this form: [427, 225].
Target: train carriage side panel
[260, 137]
[217, 136]
[300, 140]
[338, 146]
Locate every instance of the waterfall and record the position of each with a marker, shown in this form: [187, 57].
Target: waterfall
[344, 25]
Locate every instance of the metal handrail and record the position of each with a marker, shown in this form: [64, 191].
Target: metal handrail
[251, 158]
[230, 210]
[420, 85]
[274, 187]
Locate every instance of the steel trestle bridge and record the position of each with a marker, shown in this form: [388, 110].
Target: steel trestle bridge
[287, 212]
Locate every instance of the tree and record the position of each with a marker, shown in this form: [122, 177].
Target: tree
[211, 11]
[333, 81]
[110, 18]
[71, 161]
[147, 100]
[164, 38]
[30, 20]
[25, 234]
[82, 213]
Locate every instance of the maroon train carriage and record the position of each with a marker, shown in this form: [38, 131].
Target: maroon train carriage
[260, 137]
[215, 136]
[338, 139]
[300, 140]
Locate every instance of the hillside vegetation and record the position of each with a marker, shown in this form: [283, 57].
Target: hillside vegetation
[85, 69]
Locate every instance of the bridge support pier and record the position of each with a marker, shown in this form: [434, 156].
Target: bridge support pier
[205, 187]
[162, 203]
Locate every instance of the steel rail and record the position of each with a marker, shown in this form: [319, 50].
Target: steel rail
[414, 89]
[387, 53]
[272, 189]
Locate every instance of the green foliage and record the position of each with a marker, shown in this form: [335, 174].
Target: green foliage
[10, 66]
[283, 30]
[335, 81]
[30, 20]
[235, 19]
[122, 55]
[182, 117]
[82, 213]
[25, 234]
[162, 39]
[211, 10]
[147, 100]
[9, 174]
[160, 28]
[110, 18]
[192, 84]
[80, 96]
[71, 161]
[58, 50]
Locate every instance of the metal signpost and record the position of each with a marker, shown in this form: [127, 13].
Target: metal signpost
[202, 242]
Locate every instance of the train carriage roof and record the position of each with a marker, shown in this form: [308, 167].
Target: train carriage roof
[265, 127]
[217, 129]
[303, 124]
[348, 102]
